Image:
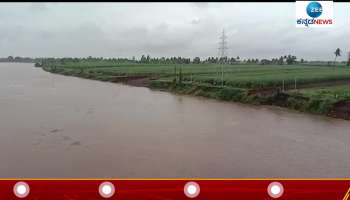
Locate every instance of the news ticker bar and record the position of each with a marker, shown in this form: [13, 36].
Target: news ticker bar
[174, 189]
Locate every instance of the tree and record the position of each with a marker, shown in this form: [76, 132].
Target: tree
[196, 60]
[291, 59]
[143, 59]
[274, 61]
[232, 61]
[280, 60]
[337, 53]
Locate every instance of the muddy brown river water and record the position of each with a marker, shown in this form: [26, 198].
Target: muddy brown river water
[56, 126]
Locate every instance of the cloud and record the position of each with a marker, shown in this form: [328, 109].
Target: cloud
[195, 21]
[38, 7]
[165, 29]
[201, 4]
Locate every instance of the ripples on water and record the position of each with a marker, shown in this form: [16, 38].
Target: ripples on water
[58, 126]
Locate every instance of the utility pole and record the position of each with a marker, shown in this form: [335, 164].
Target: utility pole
[222, 53]
[348, 64]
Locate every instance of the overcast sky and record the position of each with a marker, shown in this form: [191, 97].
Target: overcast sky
[166, 29]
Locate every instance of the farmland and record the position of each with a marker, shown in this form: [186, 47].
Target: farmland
[310, 88]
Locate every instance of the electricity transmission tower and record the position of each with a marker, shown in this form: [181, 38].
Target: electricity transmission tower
[222, 53]
[223, 45]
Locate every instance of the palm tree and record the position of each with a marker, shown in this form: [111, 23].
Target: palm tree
[337, 53]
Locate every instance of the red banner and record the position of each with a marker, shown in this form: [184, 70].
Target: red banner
[163, 189]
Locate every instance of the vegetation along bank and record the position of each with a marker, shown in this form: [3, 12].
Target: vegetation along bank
[318, 88]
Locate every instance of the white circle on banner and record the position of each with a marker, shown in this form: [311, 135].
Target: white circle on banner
[191, 189]
[106, 189]
[21, 189]
[275, 190]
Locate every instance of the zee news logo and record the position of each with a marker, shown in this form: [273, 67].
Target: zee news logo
[314, 14]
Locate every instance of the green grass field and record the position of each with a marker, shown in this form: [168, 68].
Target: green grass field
[242, 76]
[338, 92]
[308, 88]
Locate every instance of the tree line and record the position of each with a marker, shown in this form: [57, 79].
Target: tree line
[146, 59]
[17, 59]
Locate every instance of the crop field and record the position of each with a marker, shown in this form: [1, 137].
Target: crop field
[312, 88]
[338, 91]
[242, 76]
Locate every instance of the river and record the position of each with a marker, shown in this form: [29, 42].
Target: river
[56, 126]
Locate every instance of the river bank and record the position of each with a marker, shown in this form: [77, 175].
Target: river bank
[50, 120]
[275, 97]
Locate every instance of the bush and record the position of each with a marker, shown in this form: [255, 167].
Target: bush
[228, 94]
[320, 105]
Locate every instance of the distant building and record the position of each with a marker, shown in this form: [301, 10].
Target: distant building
[265, 62]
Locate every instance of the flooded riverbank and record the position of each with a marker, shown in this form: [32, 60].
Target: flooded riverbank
[61, 126]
